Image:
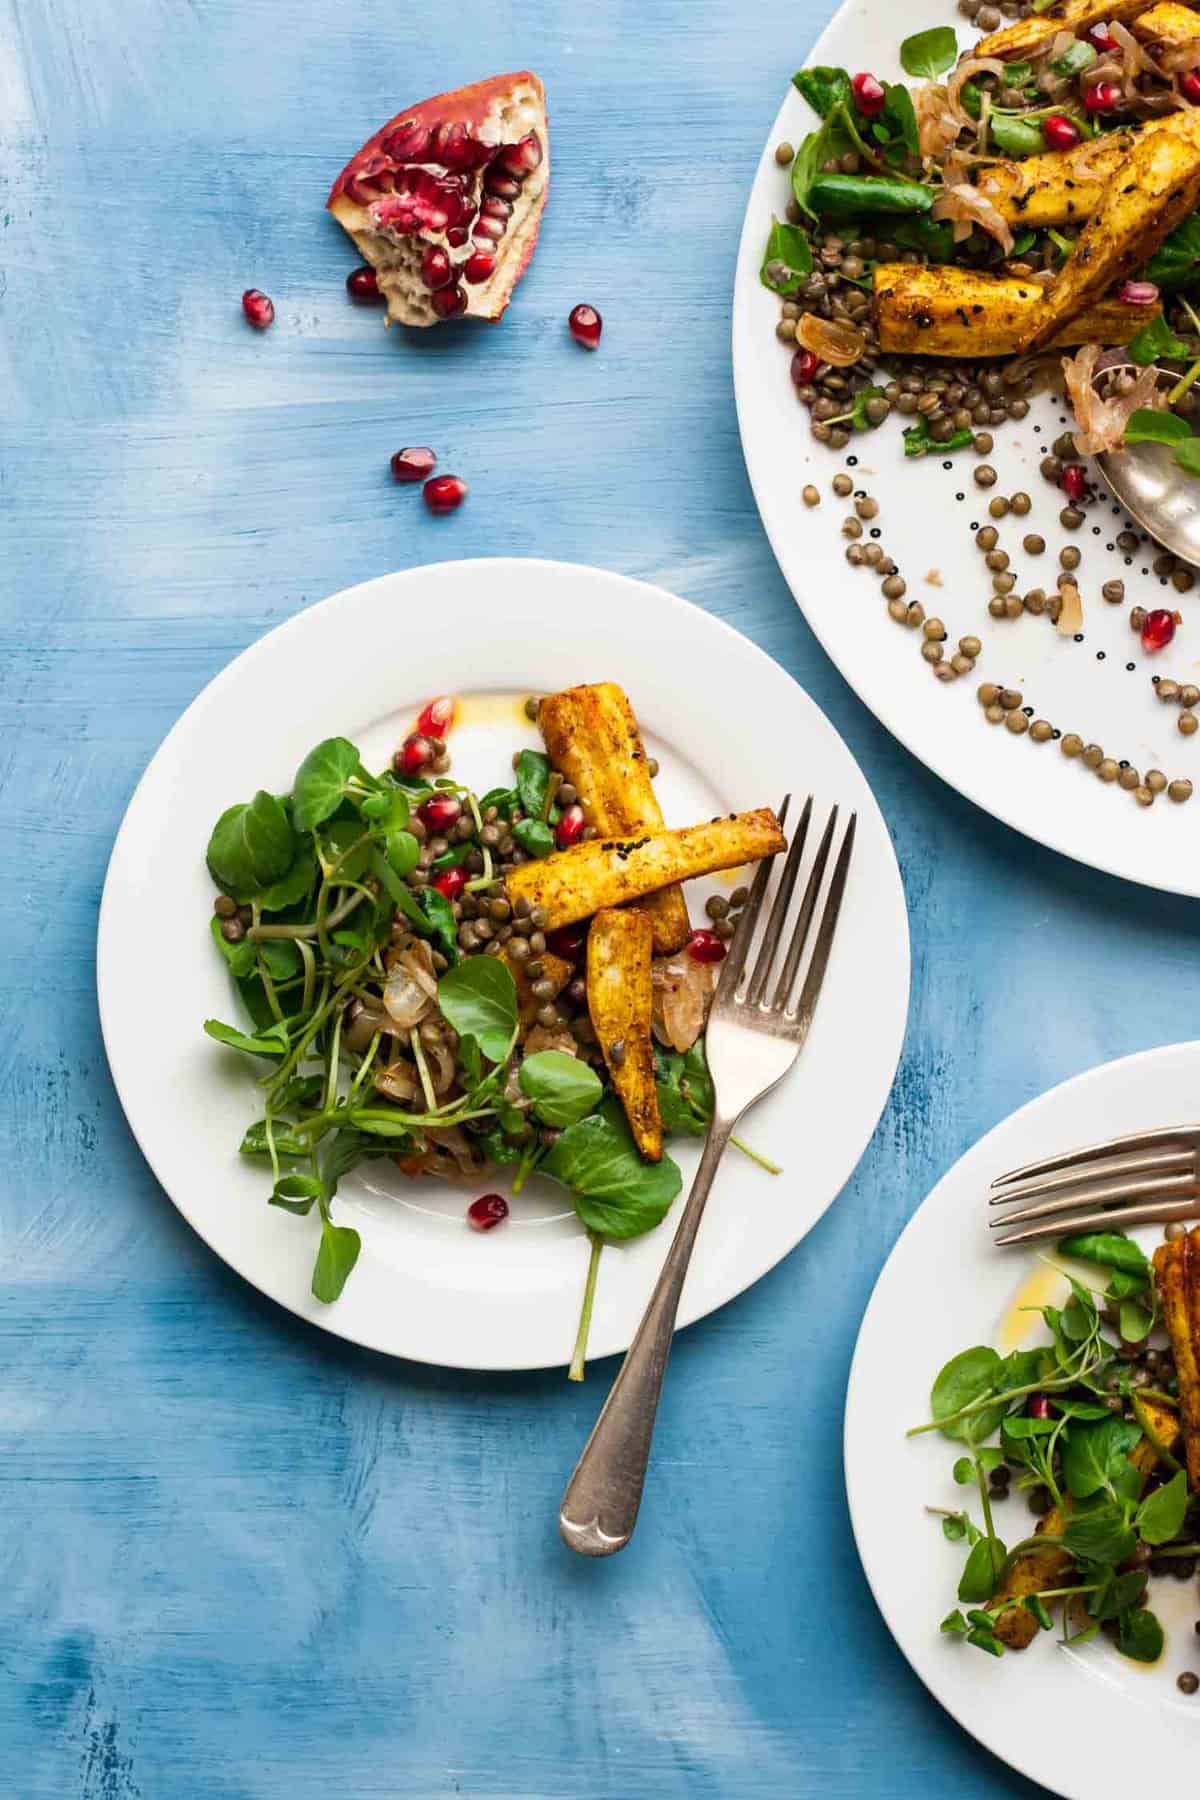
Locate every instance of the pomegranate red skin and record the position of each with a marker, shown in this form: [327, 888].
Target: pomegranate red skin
[440, 813]
[567, 942]
[1074, 481]
[570, 828]
[1060, 132]
[487, 1212]
[1189, 86]
[414, 754]
[805, 364]
[436, 269]
[445, 493]
[437, 716]
[585, 325]
[259, 308]
[1158, 629]
[449, 301]
[451, 882]
[706, 947]
[1099, 39]
[869, 95]
[1103, 97]
[362, 285]
[1040, 1407]
[478, 266]
[414, 463]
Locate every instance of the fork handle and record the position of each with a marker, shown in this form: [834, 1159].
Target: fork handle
[600, 1507]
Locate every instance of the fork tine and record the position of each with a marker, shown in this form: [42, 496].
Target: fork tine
[733, 964]
[811, 991]
[1160, 1212]
[1136, 1140]
[1099, 1193]
[779, 909]
[1129, 1168]
[812, 888]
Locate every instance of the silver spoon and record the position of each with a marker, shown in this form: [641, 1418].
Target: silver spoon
[1157, 494]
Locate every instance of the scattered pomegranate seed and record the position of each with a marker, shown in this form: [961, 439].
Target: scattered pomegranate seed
[585, 326]
[569, 829]
[1074, 481]
[451, 882]
[437, 718]
[1040, 1407]
[567, 942]
[805, 364]
[706, 947]
[259, 310]
[363, 284]
[869, 95]
[1158, 629]
[457, 236]
[478, 267]
[445, 493]
[1103, 97]
[487, 1212]
[414, 463]
[1099, 39]
[1189, 86]
[440, 813]
[1060, 132]
[1137, 293]
[436, 269]
[414, 754]
[449, 301]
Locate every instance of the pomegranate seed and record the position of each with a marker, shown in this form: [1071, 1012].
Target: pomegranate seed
[445, 493]
[449, 301]
[1039, 1407]
[258, 308]
[414, 754]
[487, 1212]
[1103, 97]
[1060, 132]
[437, 719]
[569, 829]
[1189, 86]
[479, 266]
[1137, 293]
[567, 942]
[1099, 39]
[1074, 481]
[416, 463]
[1158, 629]
[363, 285]
[440, 813]
[706, 947]
[804, 367]
[451, 881]
[457, 236]
[436, 271]
[585, 326]
[869, 95]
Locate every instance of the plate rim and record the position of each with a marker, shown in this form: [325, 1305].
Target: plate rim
[105, 988]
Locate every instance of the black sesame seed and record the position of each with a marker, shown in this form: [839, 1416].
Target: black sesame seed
[1100, 654]
[1130, 667]
[947, 465]
[1079, 637]
[852, 462]
[1095, 531]
[1155, 679]
[875, 531]
[1028, 711]
[960, 496]
[1124, 763]
[859, 493]
[1128, 561]
[1056, 734]
[974, 525]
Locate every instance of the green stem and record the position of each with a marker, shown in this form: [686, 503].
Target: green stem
[341, 912]
[756, 1156]
[575, 1372]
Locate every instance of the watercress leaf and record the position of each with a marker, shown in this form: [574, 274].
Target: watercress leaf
[899, 114]
[1020, 1426]
[1023, 242]
[479, 998]
[1135, 1322]
[1153, 342]
[1111, 1249]
[964, 1471]
[291, 888]
[1033, 1603]
[1139, 1635]
[336, 1257]
[339, 1153]
[502, 798]
[860, 418]
[967, 1377]
[1160, 1516]
[1077, 56]
[918, 441]
[251, 845]
[816, 150]
[1187, 455]
[403, 852]
[450, 859]
[1022, 1367]
[1117, 1594]
[321, 781]
[986, 1640]
[535, 838]
[282, 958]
[271, 1042]
[696, 1083]
[297, 1193]
[983, 1569]
[678, 1116]
[469, 1060]
[1123, 1285]
[1093, 1454]
[954, 1624]
[533, 778]
[787, 258]
[241, 956]
[1016, 136]
[563, 1089]
[443, 925]
[616, 1194]
[301, 1090]
[1176, 262]
[254, 1142]
[374, 807]
[954, 1527]
[1100, 1535]
[824, 88]
[929, 53]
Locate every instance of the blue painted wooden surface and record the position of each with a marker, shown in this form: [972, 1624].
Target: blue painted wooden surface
[236, 1559]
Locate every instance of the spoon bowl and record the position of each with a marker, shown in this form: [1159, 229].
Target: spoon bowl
[1157, 494]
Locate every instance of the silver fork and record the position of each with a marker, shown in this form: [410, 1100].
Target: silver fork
[751, 1044]
[1148, 1177]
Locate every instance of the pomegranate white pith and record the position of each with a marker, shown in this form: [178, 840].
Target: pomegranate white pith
[446, 199]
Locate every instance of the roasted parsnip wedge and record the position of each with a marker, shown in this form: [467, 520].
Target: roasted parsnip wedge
[1177, 1274]
[555, 969]
[591, 735]
[1060, 187]
[1040, 1568]
[1155, 186]
[1043, 27]
[619, 947]
[936, 310]
[573, 884]
[1167, 26]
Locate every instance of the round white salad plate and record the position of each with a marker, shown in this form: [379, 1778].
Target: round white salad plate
[1086, 1722]
[731, 731]
[928, 510]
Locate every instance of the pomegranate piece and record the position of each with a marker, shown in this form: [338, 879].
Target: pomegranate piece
[1100, 40]
[1074, 481]
[706, 947]
[567, 942]
[444, 185]
[1103, 97]
[362, 285]
[585, 325]
[1189, 86]
[1060, 132]
[445, 493]
[437, 718]
[414, 754]
[570, 827]
[1158, 629]
[451, 881]
[259, 308]
[804, 367]
[870, 96]
[1137, 293]
[1040, 1407]
[440, 813]
[487, 1212]
[415, 463]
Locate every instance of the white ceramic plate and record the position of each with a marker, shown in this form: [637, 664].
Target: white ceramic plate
[1087, 1723]
[730, 729]
[927, 528]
